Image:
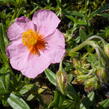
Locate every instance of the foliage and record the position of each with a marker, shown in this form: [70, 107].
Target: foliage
[82, 82]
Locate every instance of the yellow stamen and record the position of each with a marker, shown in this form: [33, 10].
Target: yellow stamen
[33, 41]
[29, 38]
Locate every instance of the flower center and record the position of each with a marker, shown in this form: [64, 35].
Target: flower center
[33, 41]
[29, 38]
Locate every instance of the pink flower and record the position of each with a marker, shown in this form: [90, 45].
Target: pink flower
[36, 43]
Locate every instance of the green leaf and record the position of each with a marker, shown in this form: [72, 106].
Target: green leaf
[100, 10]
[4, 80]
[51, 76]
[106, 31]
[72, 18]
[3, 89]
[58, 3]
[2, 45]
[57, 101]
[30, 97]
[71, 93]
[6, 1]
[82, 34]
[82, 106]
[104, 103]
[16, 102]
[87, 101]
[81, 22]
[69, 104]
[91, 96]
[69, 78]
[25, 89]
[105, 15]
[74, 13]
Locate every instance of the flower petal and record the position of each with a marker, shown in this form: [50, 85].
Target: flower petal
[56, 46]
[20, 25]
[30, 65]
[16, 51]
[35, 65]
[46, 21]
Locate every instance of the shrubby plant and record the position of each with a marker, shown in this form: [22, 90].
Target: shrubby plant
[80, 78]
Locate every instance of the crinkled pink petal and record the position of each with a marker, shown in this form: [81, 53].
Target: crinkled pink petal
[57, 54]
[22, 19]
[46, 22]
[16, 51]
[28, 25]
[55, 46]
[30, 65]
[20, 25]
[35, 65]
[20, 59]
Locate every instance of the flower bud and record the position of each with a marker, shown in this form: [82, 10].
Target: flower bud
[91, 84]
[80, 79]
[106, 49]
[101, 74]
[77, 72]
[61, 79]
[75, 62]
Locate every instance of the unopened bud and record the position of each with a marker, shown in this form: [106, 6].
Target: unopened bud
[80, 79]
[77, 72]
[61, 78]
[91, 84]
[75, 62]
[102, 75]
[106, 49]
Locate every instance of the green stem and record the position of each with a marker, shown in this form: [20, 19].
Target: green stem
[97, 37]
[60, 66]
[91, 43]
[87, 42]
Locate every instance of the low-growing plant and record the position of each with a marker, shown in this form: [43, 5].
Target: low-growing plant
[75, 74]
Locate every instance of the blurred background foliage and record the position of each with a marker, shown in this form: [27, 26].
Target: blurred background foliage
[82, 82]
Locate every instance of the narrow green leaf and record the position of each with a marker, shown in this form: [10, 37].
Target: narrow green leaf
[51, 76]
[2, 85]
[2, 44]
[6, 1]
[58, 3]
[82, 106]
[104, 103]
[105, 15]
[81, 22]
[100, 10]
[69, 104]
[87, 101]
[25, 89]
[4, 80]
[57, 101]
[16, 102]
[71, 18]
[82, 34]
[91, 96]
[74, 13]
[71, 93]
[30, 97]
